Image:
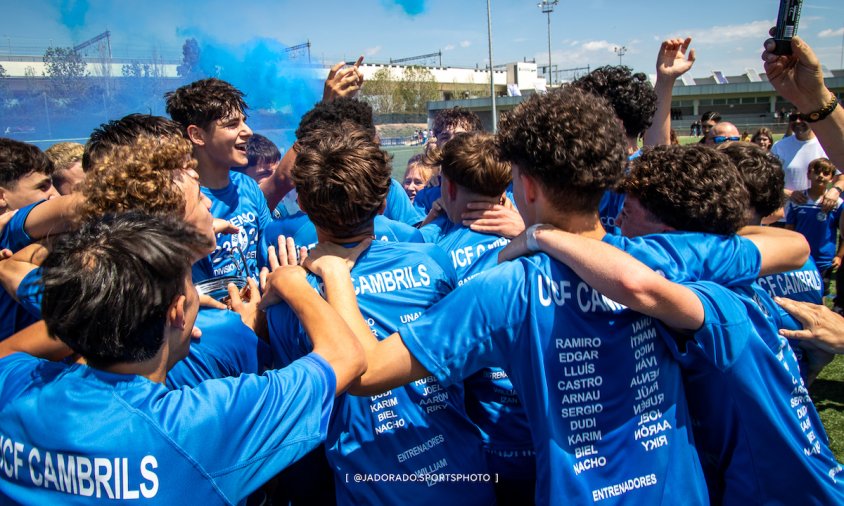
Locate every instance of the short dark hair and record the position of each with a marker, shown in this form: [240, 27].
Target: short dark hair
[762, 175]
[107, 287]
[631, 95]
[569, 141]
[692, 188]
[822, 165]
[259, 149]
[471, 160]
[336, 111]
[342, 178]
[711, 116]
[203, 102]
[18, 159]
[125, 131]
[454, 117]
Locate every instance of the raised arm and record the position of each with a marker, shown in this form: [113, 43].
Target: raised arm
[53, 216]
[616, 275]
[782, 250]
[671, 63]
[333, 340]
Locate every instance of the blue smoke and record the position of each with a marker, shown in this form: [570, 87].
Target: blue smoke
[278, 88]
[410, 7]
[73, 13]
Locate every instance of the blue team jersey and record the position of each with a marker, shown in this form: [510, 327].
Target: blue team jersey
[424, 200]
[303, 232]
[491, 400]
[420, 428]
[759, 435]
[463, 245]
[77, 435]
[13, 316]
[611, 204]
[820, 229]
[29, 293]
[227, 348]
[603, 397]
[243, 204]
[399, 207]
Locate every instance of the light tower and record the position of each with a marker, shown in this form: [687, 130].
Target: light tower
[620, 51]
[547, 7]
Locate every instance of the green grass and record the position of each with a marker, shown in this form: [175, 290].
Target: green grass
[401, 154]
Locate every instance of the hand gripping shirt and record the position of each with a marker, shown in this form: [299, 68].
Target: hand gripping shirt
[303, 232]
[604, 400]
[227, 348]
[77, 435]
[14, 316]
[242, 204]
[418, 429]
[759, 435]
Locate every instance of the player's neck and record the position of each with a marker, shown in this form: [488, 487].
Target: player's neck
[815, 192]
[211, 174]
[326, 236]
[584, 224]
[632, 145]
[153, 369]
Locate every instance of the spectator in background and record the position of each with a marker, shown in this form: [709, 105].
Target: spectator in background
[723, 132]
[708, 120]
[674, 139]
[67, 163]
[419, 171]
[763, 138]
[263, 156]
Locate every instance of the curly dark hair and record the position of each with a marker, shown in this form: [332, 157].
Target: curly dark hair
[692, 188]
[138, 176]
[107, 287]
[17, 159]
[203, 102]
[762, 175]
[454, 117]
[569, 141]
[471, 160]
[335, 111]
[631, 95]
[123, 132]
[342, 177]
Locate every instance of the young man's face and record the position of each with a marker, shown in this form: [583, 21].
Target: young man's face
[27, 190]
[448, 132]
[66, 180]
[197, 206]
[634, 220]
[225, 140]
[261, 171]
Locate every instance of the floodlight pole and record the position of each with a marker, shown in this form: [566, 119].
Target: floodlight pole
[620, 51]
[547, 7]
[491, 68]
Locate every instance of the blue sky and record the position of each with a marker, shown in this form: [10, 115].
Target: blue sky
[727, 33]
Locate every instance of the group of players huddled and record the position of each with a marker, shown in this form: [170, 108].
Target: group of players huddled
[558, 317]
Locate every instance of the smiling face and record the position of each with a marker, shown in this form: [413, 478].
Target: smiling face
[414, 180]
[225, 141]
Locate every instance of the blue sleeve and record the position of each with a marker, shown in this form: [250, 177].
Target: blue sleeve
[14, 236]
[29, 292]
[15, 374]
[272, 420]
[690, 256]
[425, 199]
[472, 327]
[431, 232]
[790, 215]
[399, 207]
[726, 328]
